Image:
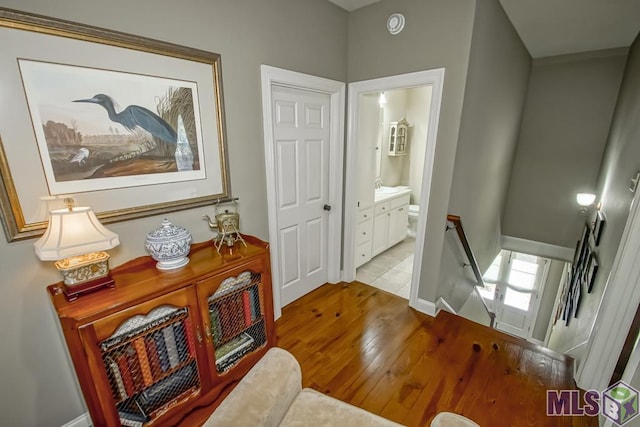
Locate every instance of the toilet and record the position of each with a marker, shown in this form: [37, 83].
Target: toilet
[414, 211]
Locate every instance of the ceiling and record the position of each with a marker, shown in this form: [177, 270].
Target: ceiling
[353, 4]
[556, 27]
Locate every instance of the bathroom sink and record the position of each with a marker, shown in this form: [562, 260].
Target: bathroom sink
[387, 190]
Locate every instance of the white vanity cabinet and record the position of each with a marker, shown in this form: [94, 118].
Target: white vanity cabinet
[391, 215]
[364, 233]
[380, 229]
[398, 223]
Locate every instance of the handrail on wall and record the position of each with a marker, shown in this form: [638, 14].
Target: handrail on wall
[457, 225]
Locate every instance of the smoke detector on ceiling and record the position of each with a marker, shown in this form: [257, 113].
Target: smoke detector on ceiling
[395, 23]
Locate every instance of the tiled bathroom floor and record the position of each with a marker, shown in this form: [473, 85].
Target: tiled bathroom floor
[390, 270]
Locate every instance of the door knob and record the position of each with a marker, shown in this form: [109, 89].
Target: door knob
[327, 207]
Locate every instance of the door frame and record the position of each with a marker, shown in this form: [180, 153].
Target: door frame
[435, 79]
[272, 76]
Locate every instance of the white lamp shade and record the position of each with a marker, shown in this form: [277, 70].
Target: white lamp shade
[73, 232]
[48, 204]
[585, 199]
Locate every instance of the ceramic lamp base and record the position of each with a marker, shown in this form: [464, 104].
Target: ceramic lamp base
[84, 273]
[83, 268]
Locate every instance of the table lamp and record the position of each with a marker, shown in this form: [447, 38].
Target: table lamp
[76, 240]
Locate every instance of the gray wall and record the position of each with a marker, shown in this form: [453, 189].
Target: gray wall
[495, 92]
[564, 132]
[437, 34]
[620, 163]
[38, 386]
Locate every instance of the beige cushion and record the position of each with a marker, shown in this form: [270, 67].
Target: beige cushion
[449, 419]
[264, 394]
[313, 409]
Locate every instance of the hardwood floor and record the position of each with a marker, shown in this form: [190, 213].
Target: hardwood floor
[367, 347]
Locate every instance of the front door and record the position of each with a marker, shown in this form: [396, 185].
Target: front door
[301, 138]
[516, 279]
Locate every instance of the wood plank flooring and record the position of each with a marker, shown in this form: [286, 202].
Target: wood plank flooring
[367, 347]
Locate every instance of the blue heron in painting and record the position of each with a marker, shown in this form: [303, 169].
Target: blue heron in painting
[136, 116]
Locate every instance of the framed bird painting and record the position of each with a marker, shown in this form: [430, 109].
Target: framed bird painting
[119, 121]
[123, 134]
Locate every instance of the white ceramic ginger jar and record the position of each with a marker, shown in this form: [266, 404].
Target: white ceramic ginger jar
[169, 245]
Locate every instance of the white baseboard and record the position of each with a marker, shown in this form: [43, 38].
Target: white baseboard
[83, 420]
[426, 307]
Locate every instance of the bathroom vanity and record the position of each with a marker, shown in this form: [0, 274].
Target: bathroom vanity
[382, 225]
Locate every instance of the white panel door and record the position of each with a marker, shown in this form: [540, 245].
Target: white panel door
[301, 137]
[519, 292]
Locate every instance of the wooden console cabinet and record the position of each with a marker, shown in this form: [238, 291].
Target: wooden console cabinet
[165, 347]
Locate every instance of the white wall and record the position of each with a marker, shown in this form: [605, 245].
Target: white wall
[368, 137]
[392, 167]
[474, 309]
[414, 104]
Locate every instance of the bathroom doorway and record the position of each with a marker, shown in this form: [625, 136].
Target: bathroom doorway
[385, 180]
[391, 145]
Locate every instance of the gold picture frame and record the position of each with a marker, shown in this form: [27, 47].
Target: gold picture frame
[23, 159]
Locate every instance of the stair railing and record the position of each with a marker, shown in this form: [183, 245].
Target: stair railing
[457, 225]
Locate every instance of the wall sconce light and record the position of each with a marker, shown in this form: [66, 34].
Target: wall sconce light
[382, 99]
[585, 200]
[75, 239]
